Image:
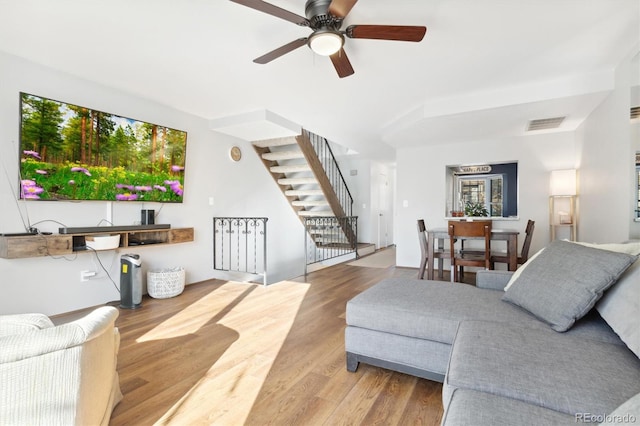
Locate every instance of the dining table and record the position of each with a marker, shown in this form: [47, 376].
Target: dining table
[440, 235]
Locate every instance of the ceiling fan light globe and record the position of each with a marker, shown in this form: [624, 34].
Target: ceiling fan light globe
[326, 43]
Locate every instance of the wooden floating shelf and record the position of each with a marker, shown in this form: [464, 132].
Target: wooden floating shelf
[17, 247]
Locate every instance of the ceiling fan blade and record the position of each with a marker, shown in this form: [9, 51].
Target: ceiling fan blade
[387, 32]
[274, 54]
[276, 11]
[341, 63]
[340, 8]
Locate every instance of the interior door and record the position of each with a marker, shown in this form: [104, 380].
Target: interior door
[383, 210]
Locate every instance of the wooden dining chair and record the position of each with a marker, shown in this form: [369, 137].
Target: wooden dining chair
[524, 254]
[438, 253]
[477, 229]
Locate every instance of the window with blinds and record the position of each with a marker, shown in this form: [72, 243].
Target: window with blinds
[638, 186]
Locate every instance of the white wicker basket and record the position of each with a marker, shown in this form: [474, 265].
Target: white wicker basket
[165, 283]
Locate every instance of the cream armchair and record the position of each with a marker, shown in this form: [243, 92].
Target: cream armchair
[59, 375]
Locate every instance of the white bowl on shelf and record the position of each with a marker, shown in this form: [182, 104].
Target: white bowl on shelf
[103, 242]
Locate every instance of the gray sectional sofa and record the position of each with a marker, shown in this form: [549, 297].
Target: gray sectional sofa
[551, 349]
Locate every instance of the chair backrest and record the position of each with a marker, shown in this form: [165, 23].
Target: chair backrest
[422, 237]
[524, 254]
[476, 228]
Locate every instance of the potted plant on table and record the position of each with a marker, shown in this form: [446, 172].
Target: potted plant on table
[475, 209]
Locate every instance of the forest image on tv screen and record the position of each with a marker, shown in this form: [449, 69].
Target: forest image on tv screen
[68, 152]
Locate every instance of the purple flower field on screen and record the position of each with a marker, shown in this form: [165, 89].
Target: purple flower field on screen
[30, 190]
[81, 170]
[32, 154]
[126, 197]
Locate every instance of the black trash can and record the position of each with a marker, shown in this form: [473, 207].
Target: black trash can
[130, 281]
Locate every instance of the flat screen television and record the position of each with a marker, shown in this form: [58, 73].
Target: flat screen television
[71, 152]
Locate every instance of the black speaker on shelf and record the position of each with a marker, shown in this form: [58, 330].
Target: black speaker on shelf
[147, 217]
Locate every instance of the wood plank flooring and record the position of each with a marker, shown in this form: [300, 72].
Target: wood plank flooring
[225, 353]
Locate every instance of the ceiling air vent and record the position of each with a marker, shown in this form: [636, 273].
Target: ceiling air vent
[545, 124]
[635, 112]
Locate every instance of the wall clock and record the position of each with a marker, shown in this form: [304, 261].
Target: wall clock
[235, 153]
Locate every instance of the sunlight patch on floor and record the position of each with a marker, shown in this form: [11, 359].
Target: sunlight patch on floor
[193, 317]
[232, 384]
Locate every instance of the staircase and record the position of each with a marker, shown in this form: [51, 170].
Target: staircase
[308, 175]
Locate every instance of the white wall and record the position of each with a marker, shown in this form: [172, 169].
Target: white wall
[421, 183]
[52, 285]
[606, 166]
[359, 186]
[369, 199]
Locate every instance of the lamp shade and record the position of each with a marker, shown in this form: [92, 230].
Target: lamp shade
[563, 182]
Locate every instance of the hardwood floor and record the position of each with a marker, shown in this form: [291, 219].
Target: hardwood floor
[227, 353]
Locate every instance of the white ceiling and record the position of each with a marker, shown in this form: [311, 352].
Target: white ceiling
[484, 69]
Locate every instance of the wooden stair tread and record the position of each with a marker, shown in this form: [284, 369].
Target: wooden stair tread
[298, 181]
[282, 155]
[302, 192]
[294, 168]
[335, 245]
[341, 240]
[326, 232]
[327, 213]
[310, 203]
[268, 143]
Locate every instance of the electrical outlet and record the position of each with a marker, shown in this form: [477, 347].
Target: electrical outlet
[85, 275]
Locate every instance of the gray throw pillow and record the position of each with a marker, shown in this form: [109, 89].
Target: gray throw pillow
[564, 282]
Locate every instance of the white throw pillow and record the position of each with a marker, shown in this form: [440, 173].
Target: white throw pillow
[518, 271]
[620, 307]
[628, 248]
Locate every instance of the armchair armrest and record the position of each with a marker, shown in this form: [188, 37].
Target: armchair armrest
[30, 344]
[492, 280]
[21, 323]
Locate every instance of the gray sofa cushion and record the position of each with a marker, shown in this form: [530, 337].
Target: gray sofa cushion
[421, 354]
[565, 281]
[469, 407]
[620, 307]
[493, 279]
[432, 310]
[556, 371]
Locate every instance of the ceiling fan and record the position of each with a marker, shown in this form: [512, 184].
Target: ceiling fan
[325, 18]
